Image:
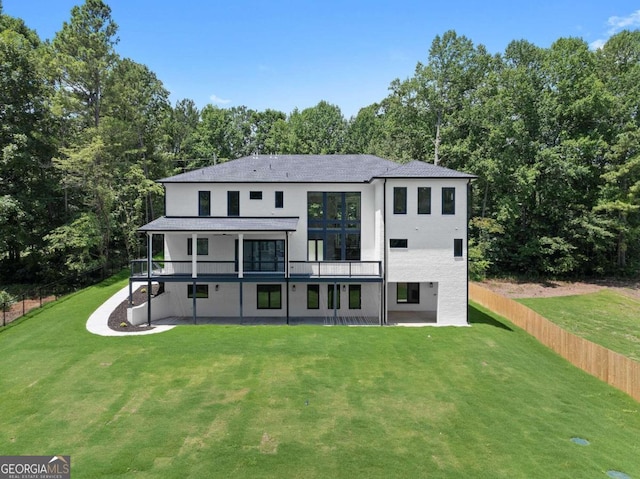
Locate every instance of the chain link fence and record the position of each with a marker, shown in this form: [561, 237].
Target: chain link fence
[15, 306]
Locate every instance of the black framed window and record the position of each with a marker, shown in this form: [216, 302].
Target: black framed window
[269, 296]
[233, 203]
[424, 200]
[255, 195]
[313, 296]
[457, 247]
[263, 255]
[355, 296]
[399, 200]
[204, 203]
[408, 293]
[398, 243]
[279, 199]
[448, 201]
[333, 226]
[331, 293]
[202, 291]
[202, 246]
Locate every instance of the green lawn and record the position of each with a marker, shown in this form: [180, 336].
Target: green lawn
[305, 401]
[606, 318]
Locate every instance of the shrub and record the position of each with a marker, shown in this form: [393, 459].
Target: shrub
[6, 301]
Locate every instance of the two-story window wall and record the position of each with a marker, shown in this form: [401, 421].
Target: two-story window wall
[333, 226]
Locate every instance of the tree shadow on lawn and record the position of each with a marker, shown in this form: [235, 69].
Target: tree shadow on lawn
[480, 317]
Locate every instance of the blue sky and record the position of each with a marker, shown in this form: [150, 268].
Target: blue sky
[287, 54]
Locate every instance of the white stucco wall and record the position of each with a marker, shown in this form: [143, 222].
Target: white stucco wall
[429, 256]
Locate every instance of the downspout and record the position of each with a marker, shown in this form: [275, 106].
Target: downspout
[286, 270]
[467, 242]
[149, 266]
[194, 295]
[383, 317]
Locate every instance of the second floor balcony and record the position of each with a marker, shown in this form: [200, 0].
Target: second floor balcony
[216, 270]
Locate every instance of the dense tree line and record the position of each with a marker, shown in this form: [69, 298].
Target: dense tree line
[553, 135]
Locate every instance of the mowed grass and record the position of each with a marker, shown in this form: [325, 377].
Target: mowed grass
[305, 402]
[606, 318]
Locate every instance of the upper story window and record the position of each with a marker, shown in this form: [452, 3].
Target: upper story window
[204, 203]
[202, 247]
[263, 255]
[279, 199]
[255, 195]
[399, 200]
[233, 203]
[424, 200]
[448, 201]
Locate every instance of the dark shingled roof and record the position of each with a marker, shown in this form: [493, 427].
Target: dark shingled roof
[225, 223]
[420, 169]
[311, 169]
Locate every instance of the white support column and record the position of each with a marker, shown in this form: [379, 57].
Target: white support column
[194, 256]
[240, 255]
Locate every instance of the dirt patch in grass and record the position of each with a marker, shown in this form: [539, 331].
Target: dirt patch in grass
[23, 306]
[545, 289]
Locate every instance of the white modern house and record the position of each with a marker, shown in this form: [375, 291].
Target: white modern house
[332, 239]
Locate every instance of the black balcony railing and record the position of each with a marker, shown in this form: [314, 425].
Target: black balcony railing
[313, 269]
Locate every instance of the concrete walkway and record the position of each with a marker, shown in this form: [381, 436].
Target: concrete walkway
[98, 321]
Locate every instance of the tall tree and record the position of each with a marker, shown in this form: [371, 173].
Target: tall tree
[317, 130]
[27, 198]
[84, 55]
[619, 202]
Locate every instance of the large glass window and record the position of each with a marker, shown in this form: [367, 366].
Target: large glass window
[448, 201]
[424, 200]
[355, 296]
[204, 203]
[399, 200]
[269, 296]
[263, 255]
[279, 199]
[313, 296]
[233, 203]
[408, 293]
[334, 220]
[202, 246]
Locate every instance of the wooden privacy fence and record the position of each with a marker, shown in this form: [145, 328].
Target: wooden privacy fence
[614, 368]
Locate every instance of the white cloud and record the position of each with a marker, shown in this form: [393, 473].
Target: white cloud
[620, 23]
[617, 24]
[217, 99]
